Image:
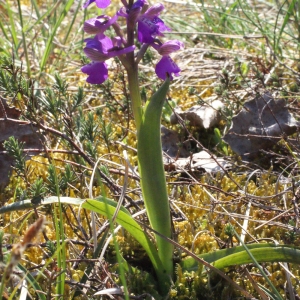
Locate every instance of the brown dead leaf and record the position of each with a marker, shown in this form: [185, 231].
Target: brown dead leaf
[10, 125]
[261, 123]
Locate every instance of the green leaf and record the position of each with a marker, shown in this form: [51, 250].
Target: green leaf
[107, 207]
[153, 180]
[266, 254]
[221, 145]
[238, 256]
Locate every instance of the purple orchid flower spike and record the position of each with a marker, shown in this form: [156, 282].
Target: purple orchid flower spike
[149, 27]
[99, 3]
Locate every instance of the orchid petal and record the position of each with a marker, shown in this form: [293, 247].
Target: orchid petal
[102, 3]
[161, 25]
[118, 52]
[106, 42]
[100, 43]
[97, 72]
[98, 24]
[122, 12]
[170, 46]
[134, 11]
[154, 10]
[95, 55]
[147, 30]
[100, 56]
[166, 65]
[93, 43]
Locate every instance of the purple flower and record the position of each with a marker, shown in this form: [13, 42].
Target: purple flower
[132, 14]
[168, 47]
[166, 66]
[155, 10]
[150, 25]
[138, 4]
[99, 3]
[147, 30]
[99, 49]
[136, 8]
[98, 24]
[97, 72]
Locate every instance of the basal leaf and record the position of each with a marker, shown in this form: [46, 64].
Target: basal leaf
[238, 256]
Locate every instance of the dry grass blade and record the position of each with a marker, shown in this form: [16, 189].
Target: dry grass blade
[255, 285]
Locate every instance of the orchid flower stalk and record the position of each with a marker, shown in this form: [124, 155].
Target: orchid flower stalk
[144, 23]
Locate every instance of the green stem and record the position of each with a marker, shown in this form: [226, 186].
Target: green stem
[151, 168]
[134, 90]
